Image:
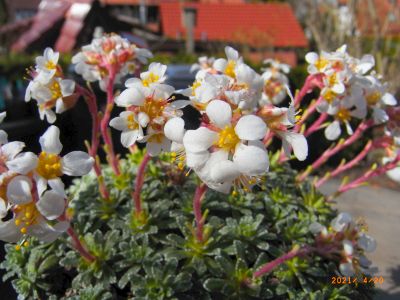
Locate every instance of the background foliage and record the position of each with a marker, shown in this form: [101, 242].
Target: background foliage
[157, 257]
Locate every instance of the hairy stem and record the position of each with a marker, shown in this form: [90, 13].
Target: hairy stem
[91, 102]
[334, 150]
[198, 196]
[78, 245]
[139, 184]
[316, 125]
[342, 168]
[370, 174]
[268, 267]
[309, 84]
[112, 158]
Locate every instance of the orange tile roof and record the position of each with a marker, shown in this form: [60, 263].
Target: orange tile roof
[260, 25]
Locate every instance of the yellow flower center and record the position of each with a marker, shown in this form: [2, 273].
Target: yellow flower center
[329, 96]
[195, 85]
[25, 215]
[343, 115]
[153, 108]
[131, 122]
[230, 69]
[321, 63]
[55, 90]
[49, 165]
[227, 139]
[373, 98]
[50, 65]
[332, 80]
[150, 79]
[156, 138]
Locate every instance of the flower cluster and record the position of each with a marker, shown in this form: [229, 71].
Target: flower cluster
[49, 87]
[347, 241]
[31, 189]
[275, 81]
[109, 54]
[349, 89]
[227, 149]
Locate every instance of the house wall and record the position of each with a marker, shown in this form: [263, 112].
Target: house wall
[21, 9]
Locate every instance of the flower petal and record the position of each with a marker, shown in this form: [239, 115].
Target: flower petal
[250, 128]
[9, 232]
[19, 190]
[341, 221]
[251, 160]
[58, 186]
[50, 140]
[119, 123]
[346, 269]
[199, 140]
[174, 129]
[219, 112]
[224, 171]
[196, 160]
[128, 138]
[67, 87]
[389, 99]
[367, 243]
[51, 205]
[130, 96]
[10, 150]
[77, 163]
[298, 142]
[23, 163]
[333, 131]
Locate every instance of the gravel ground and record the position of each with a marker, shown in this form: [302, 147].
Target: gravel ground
[380, 206]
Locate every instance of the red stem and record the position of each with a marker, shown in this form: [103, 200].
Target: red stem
[370, 174]
[346, 166]
[91, 102]
[310, 110]
[310, 82]
[139, 184]
[339, 147]
[268, 267]
[198, 196]
[78, 245]
[112, 158]
[316, 125]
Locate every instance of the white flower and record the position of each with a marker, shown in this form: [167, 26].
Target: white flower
[46, 65]
[49, 166]
[155, 74]
[274, 91]
[377, 98]
[131, 125]
[234, 147]
[156, 141]
[342, 221]
[96, 59]
[31, 216]
[56, 93]
[343, 114]
[228, 66]
[279, 119]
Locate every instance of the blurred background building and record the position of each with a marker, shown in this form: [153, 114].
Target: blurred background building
[263, 28]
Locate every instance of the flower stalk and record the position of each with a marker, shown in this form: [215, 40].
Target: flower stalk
[373, 172]
[198, 197]
[334, 150]
[91, 102]
[139, 184]
[316, 125]
[268, 267]
[109, 148]
[79, 246]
